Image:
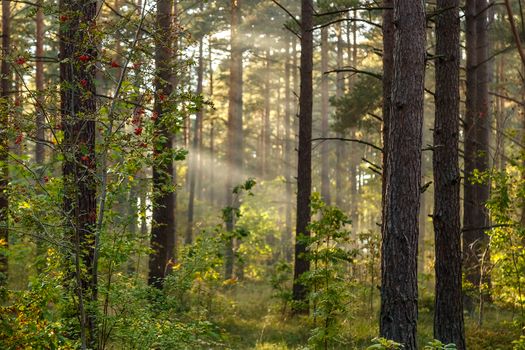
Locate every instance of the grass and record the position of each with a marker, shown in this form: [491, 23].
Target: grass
[253, 320]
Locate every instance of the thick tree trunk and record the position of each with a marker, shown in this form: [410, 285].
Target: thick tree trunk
[477, 128]
[235, 128]
[304, 165]
[163, 236]
[78, 108]
[196, 150]
[325, 177]
[4, 140]
[403, 181]
[448, 317]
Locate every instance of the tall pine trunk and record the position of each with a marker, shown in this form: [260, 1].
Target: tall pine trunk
[78, 108]
[304, 165]
[476, 130]
[403, 177]
[325, 177]
[196, 149]
[235, 129]
[163, 236]
[4, 140]
[448, 317]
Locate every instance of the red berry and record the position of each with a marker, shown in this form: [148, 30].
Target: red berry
[83, 58]
[21, 60]
[154, 116]
[85, 158]
[138, 131]
[19, 139]
[115, 64]
[83, 82]
[63, 18]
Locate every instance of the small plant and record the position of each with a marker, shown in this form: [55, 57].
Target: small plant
[438, 345]
[329, 253]
[384, 344]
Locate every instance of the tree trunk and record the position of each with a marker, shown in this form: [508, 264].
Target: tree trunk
[78, 108]
[476, 129]
[195, 149]
[266, 131]
[39, 81]
[304, 165]
[235, 129]
[339, 150]
[325, 177]
[163, 236]
[448, 316]
[287, 237]
[4, 141]
[403, 177]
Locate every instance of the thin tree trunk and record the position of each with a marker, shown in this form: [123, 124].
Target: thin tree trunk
[4, 141]
[287, 237]
[196, 149]
[304, 165]
[403, 177]
[163, 236]
[448, 316]
[39, 81]
[266, 134]
[339, 151]
[78, 108]
[235, 129]
[325, 177]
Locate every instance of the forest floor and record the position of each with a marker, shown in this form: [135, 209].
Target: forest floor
[256, 321]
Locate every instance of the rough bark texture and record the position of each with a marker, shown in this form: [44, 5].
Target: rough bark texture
[235, 128]
[403, 168]
[196, 149]
[448, 317]
[325, 177]
[388, 72]
[477, 129]
[163, 236]
[304, 165]
[4, 141]
[78, 107]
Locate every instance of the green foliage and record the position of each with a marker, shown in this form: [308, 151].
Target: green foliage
[384, 344]
[352, 109]
[27, 320]
[330, 253]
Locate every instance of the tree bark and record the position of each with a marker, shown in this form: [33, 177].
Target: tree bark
[4, 141]
[304, 165]
[325, 177]
[476, 129]
[403, 177]
[235, 129]
[163, 229]
[78, 108]
[448, 316]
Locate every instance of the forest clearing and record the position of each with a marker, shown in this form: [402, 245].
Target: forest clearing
[262, 174]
